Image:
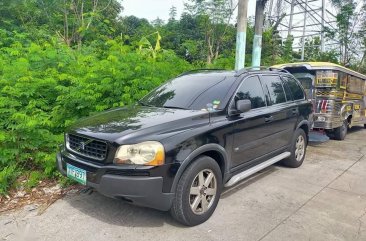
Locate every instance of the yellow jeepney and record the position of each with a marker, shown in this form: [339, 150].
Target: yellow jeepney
[338, 95]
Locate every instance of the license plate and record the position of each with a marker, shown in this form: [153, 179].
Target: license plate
[76, 174]
[321, 118]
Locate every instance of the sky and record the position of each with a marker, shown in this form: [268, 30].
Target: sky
[151, 9]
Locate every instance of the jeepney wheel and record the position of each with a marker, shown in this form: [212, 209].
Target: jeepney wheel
[341, 132]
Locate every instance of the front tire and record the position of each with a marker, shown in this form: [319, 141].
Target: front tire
[198, 192]
[341, 132]
[298, 150]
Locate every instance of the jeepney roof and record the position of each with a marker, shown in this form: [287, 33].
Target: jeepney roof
[321, 66]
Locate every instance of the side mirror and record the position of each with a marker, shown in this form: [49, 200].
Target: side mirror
[243, 105]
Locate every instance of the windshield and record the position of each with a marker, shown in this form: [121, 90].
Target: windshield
[195, 92]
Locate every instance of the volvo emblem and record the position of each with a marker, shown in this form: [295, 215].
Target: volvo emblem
[83, 144]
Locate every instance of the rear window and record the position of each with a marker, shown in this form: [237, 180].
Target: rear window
[296, 90]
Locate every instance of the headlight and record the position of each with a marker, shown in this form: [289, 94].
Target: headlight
[150, 153]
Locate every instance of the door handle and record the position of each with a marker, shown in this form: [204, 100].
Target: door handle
[268, 119]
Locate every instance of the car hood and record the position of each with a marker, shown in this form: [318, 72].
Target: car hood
[138, 123]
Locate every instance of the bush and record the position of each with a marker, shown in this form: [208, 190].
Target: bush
[7, 177]
[46, 86]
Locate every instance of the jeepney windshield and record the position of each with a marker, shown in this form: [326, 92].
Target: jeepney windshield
[326, 78]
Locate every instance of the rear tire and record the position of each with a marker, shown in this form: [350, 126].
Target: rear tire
[364, 125]
[198, 192]
[298, 150]
[341, 132]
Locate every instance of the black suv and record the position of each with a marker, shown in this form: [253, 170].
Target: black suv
[188, 138]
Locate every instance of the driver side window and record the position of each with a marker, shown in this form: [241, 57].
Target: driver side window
[251, 89]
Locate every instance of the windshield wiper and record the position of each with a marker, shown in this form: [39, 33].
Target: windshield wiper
[144, 104]
[174, 107]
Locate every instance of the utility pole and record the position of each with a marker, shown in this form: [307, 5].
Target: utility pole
[258, 31]
[241, 34]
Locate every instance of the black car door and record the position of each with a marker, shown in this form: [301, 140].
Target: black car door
[250, 128]
[284, 112]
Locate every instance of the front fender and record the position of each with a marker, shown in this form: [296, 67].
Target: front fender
[194, 154]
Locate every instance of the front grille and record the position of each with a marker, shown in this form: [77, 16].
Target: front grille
[87, 147]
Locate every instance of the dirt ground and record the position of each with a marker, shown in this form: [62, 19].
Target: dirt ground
[325, 199]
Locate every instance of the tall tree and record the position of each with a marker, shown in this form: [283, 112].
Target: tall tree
[74, 21]
[172, 13]
[362, 38]
[348, 20]
[214, 19]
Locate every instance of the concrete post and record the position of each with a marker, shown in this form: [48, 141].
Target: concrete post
[241, 34]
[258, 31]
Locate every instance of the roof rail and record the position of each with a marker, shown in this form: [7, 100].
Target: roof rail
[246, 70]
[279, 70]
[199, 70]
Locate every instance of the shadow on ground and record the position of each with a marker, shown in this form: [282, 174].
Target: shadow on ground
[117, 212]
[120, 213]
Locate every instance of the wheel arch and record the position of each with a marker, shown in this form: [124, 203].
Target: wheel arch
[346, 114]
[349, 118]
[305, 125]
[215, 151]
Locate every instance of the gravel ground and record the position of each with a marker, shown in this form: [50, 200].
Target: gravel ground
[323, 200]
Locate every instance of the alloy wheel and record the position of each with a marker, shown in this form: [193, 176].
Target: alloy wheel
[300, 148]
[203, 191]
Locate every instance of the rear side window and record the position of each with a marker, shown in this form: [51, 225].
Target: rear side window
[296, 90]
[273, 85]
[251, 89]
[287, 91]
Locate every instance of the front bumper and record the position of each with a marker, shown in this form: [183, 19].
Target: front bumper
[140, 190]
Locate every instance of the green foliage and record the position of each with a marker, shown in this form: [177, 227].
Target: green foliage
[347, 21]
[65, 181]
[45, 87]
[313, 53]
[34, 178]
[7, 176]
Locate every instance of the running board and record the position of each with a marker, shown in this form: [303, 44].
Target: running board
[238, 177]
